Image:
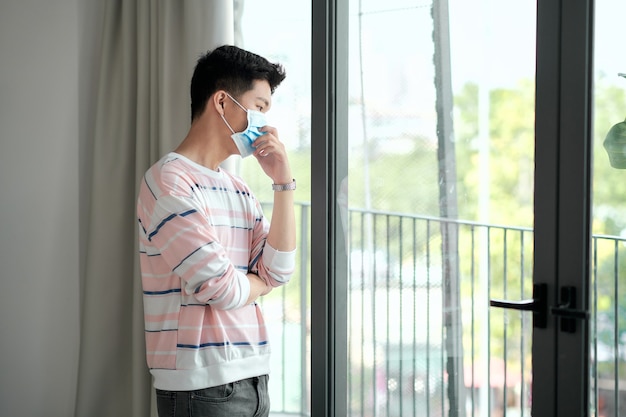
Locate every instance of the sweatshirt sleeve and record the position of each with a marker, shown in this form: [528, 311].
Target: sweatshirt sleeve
[271, 265]
[181, 234]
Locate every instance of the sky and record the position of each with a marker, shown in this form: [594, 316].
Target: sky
[492, 43]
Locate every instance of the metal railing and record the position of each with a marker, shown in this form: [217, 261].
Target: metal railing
[399, 360]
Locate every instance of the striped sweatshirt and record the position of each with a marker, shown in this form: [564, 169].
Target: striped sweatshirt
[200, 232]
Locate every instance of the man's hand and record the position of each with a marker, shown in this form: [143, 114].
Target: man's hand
[258, 287]
[272, 157]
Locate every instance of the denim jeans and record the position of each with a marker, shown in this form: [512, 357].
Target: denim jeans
[245, 398]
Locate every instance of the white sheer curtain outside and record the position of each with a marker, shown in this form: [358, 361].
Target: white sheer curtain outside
[149, 49]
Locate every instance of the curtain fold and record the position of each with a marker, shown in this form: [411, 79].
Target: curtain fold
[149, 50]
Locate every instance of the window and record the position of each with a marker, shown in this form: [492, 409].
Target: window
[430, 138]
[280, 30]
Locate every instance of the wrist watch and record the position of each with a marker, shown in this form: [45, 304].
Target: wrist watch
[285, 187]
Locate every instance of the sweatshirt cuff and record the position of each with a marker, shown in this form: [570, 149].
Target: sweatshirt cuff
[280, 264]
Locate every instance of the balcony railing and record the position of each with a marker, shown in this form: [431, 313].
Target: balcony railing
[404, 281]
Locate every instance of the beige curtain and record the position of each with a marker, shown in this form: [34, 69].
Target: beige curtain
[149, 49]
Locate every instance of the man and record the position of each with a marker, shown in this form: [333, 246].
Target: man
[207, 252]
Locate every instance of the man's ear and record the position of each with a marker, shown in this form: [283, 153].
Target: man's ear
[219, 98]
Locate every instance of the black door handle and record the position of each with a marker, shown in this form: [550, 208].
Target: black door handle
[567, 311]
[537, 305]
[524, 305]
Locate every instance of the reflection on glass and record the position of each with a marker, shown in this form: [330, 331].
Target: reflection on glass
[441, 165]
[608, 324]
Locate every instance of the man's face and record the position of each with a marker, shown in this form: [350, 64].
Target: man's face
[259, 98]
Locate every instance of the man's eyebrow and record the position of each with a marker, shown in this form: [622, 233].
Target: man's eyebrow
[264, 100]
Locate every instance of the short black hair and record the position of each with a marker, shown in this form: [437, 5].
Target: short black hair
[231, 69]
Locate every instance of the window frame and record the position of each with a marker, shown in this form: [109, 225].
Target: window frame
[329, 121]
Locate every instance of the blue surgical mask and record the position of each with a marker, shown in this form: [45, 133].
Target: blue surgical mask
[245, 138]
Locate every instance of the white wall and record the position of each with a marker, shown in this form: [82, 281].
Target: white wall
[46, 73]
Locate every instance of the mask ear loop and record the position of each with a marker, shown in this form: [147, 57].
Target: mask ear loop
[227, 124]
[236, 102]
[242, 108]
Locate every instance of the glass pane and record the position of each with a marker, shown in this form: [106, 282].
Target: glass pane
[440, 206]
[608, 323]
[280, 30]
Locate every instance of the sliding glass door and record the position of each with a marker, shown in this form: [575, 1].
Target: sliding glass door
[439, 217]
[451, 238]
